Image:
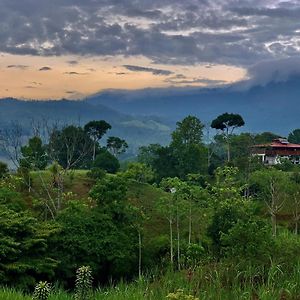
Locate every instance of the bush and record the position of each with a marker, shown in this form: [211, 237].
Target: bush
[287, 249]
[107, 162]
[248, 240]
[3, 170]
[96, 173]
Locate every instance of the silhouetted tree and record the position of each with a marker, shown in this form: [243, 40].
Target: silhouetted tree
[227, 123]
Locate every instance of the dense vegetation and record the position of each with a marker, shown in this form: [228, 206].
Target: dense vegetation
[190, 220]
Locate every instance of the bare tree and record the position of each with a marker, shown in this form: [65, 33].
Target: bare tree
[11, 140]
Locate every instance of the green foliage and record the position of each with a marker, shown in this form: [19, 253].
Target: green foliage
[96, 173]
[286, 250]
[42, 291]
[180, 295]
[71, 147]
[139, 172]
[192, 255]
[24, 248]
[225, 217]
[116, 146]
[83, 283]
[148, 154]
[248, 240]
[3, 170]
[227, 121]
[97, 129]
[34, 155]
[188, 132]
[106, 161]
[11, 199]
[110, 190]
[102, 237]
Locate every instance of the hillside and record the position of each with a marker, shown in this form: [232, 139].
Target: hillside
[136, 130]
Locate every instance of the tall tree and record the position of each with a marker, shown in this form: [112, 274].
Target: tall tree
[227, 123]
[116, 146]
[273, 186]
[34, 155]
[71, 147]
[188, 132]
[96, 130]
[187, 147]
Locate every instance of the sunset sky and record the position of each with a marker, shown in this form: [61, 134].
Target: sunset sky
[50, 49]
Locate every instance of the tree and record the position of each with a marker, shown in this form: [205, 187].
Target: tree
[24, 252]
[147, 154]
[96, 130]
[11, 140]
[34, 155]
[106, 161]
[96, 237]
[139, 172]
[174, 207]
[188, 132]
[294, 136]
[247, 240]
[272, 188]
[227, 123]
[71, 147]
[3, 170]
[116, 146]
[188, 148]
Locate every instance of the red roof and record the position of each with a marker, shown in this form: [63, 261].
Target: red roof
[278, 143]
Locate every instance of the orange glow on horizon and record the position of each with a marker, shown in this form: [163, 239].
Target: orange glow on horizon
[33, 77]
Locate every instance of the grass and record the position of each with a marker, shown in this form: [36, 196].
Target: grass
[207, 283]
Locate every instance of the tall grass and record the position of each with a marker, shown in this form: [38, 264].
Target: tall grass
[210, 282]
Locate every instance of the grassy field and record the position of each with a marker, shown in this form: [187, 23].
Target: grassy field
[207, 283]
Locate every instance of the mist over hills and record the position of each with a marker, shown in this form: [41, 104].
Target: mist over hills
[136, 130]
[274, 106]
[149, 116]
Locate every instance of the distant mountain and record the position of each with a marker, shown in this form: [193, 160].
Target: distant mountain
[272, 107]
[149, 116]
[136, 130]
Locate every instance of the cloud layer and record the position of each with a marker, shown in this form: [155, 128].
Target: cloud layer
[238, 32]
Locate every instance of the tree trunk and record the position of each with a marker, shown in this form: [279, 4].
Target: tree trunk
[178, 240]
[228, 150]
[274, 223]
[94, 151]
[171, 243]
[190, 222]
[140, 255]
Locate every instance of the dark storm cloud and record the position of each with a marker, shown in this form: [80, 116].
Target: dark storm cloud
[20, 67]
[206, 81]
[150, 70]
[73, 62]
[43, 69]
[272, 71]
[237, 32]
[75, 73]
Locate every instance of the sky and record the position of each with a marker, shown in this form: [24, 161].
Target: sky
[52, 49]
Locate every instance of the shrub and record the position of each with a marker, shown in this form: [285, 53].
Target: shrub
[248, 240]
[3, 170]
[96, 173]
